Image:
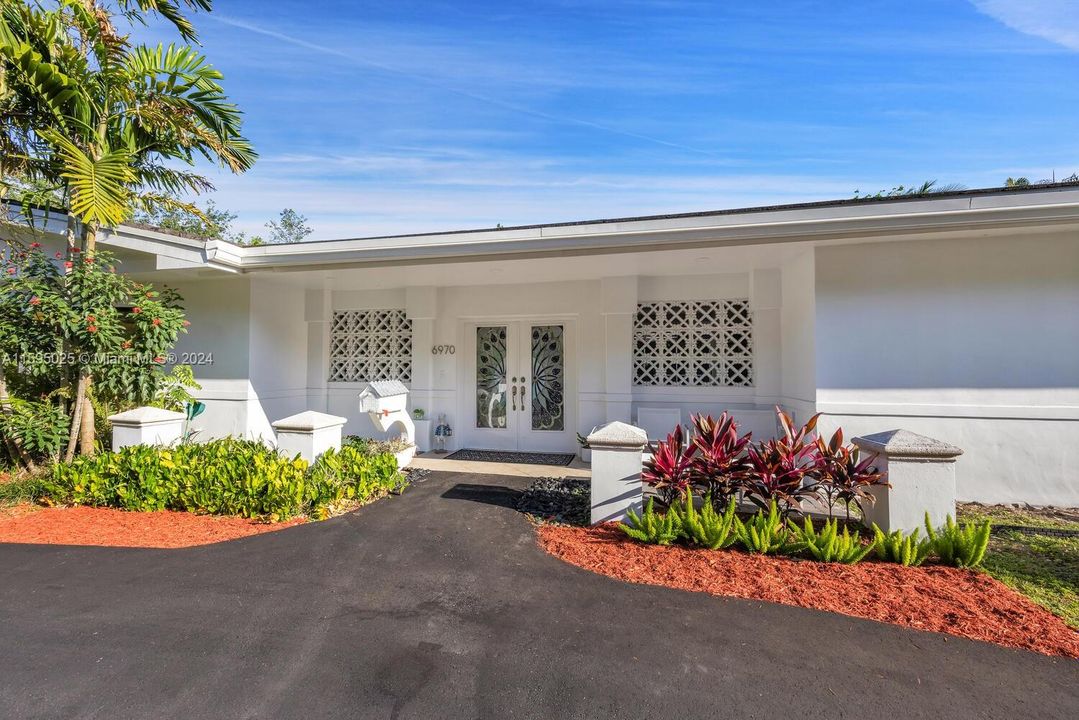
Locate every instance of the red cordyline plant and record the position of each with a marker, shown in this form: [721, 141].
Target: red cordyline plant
[843, 476]
[670, 469]
[779, 469]
[720, 464]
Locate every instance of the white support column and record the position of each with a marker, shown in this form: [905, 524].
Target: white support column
[616, 471]
[308, 434]
[618, 304]
[146, 426]
[921, 472]
[765, 301]
[421, 307]
[318, 312]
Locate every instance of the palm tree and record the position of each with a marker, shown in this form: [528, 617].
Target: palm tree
[98, 118]
[89, 118]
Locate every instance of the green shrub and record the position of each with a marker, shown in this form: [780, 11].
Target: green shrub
[907, 550]
[23, 488]
[707, 527]
[370, 446]
[39, 428]
[350, 474]
[227, 477]
[961, 546]
[765, 534]
[652, 527]
[828, 545]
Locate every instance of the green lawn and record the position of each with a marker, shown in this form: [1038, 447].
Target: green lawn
[1042, 567]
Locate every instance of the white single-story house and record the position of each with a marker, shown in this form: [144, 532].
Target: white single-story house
[953, 315]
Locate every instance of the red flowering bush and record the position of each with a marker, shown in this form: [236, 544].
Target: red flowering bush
[670, 469]
[783, 469]
[844, 476]
[56, 325]
[721, 462]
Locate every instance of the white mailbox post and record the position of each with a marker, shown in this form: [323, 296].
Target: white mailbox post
[146, 426]
[921, 473]
[386, 402]
[308, 434]
[616, 470]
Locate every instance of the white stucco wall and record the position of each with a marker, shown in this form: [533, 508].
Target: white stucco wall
[278, 353]
[798, 327]
[255, 331]
[219, 312]
[970, 341]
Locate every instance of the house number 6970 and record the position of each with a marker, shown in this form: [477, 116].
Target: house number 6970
[443, 350]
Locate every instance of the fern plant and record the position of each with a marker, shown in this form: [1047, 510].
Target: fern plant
[708, 528]
[652, 527]
[765, 534]
[828, 545]
[907, 550]
[959, 545]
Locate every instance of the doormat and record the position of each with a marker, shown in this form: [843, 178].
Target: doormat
[510, 456]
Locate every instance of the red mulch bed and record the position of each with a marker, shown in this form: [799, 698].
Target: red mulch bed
[123, 528]
[940, 599]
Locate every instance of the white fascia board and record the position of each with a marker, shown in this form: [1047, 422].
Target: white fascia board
[173, 252]
[156, 243]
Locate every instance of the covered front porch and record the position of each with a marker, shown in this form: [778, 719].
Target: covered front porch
[517, 354]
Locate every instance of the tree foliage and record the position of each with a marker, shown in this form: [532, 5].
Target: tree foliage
[57, 322]
[929, 187]
[290, 227]
[212, 222]
[98, 122]
[99, 127]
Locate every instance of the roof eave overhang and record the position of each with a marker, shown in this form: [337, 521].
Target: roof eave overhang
[540, 242]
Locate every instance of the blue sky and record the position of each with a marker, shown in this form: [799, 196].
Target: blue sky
[409, 116]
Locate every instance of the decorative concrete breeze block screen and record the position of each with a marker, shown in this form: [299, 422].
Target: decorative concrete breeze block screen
[693, 344]
[368, 345]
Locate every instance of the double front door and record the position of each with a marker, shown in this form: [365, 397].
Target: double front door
[520, 386]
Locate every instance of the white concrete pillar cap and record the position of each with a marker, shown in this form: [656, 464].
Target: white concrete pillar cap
[308, 421]
[143, 416]
[618, 435]
[903, 443]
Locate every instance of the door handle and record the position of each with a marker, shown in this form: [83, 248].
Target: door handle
[514, 394]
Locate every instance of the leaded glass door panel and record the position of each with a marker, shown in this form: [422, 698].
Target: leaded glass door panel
[547, 356]
[492, 379]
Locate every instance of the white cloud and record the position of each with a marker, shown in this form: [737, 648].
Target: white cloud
[1054, 20]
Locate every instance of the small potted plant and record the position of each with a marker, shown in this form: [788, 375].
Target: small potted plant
[423, 429]
[586, 449]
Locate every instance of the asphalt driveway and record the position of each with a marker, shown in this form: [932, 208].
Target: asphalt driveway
[439, 604]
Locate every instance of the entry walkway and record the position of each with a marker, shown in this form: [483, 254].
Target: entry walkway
[440, 463]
